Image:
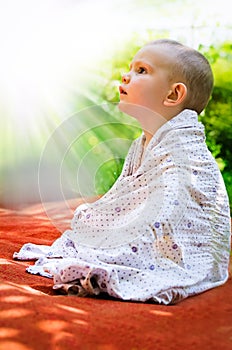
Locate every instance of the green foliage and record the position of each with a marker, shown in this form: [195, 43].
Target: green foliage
[107, 174]
[217, 116]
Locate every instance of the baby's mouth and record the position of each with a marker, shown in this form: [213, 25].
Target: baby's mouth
[122, 91]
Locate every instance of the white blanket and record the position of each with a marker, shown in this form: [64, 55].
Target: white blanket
[161, 233]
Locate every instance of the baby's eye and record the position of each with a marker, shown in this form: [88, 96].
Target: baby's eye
[141, 70]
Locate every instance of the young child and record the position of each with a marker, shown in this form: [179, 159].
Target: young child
[162, 232]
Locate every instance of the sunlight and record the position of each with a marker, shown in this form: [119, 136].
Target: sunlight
[15, 299]
[5, 262]
[21, 287]
[80, 322]
[72, 309]
[8, 332]
[52, 326]
[38, 60]
[5, 286]
[15, 313]
[66, 338]
[46, 50]
[13, 345]
[161, 313]
[59, 334]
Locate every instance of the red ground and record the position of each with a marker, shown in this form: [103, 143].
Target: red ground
[32, 317]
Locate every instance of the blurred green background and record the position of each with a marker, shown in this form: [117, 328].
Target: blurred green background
[61, 135]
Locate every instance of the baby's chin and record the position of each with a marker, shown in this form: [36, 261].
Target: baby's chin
[131, 109]
[149, 120]
[135, 110]
[122, 106]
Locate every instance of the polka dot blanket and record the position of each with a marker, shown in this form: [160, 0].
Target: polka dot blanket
[161, 233]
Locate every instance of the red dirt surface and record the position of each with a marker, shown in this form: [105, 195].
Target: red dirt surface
[33, 317]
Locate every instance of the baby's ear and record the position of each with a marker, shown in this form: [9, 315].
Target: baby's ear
[176, 95]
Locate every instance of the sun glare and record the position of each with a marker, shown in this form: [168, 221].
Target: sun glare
[45, 49]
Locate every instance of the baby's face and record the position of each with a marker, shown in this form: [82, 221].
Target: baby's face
[147, 83]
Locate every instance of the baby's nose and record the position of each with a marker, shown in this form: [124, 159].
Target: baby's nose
[125, 78]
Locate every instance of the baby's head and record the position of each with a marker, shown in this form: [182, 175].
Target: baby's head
[191, 68]
[167, 77]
